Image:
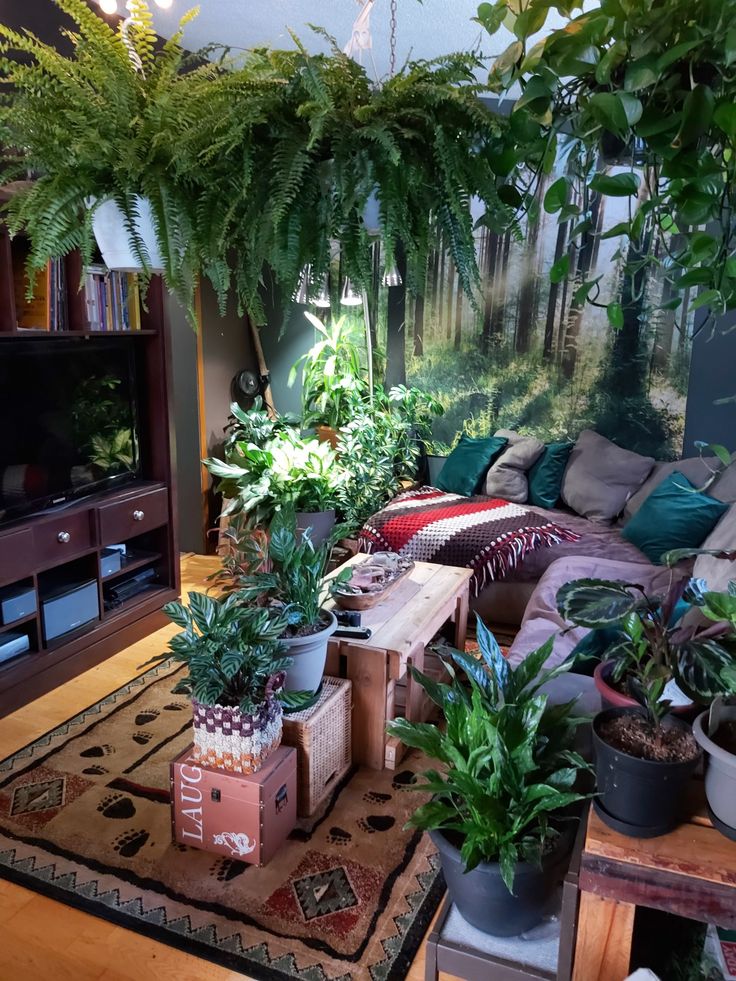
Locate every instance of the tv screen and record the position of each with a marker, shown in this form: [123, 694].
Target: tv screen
[69, 422]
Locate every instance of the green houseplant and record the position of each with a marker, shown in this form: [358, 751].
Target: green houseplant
[94, 128]
[235, 675]
[508, 775]
[645, 756]
[286, 574]
[643, 97]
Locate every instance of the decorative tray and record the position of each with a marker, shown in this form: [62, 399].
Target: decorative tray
[372, 581]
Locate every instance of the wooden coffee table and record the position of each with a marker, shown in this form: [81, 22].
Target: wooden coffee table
[403, 624]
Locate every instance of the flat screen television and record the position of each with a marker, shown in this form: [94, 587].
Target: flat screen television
[68, 421]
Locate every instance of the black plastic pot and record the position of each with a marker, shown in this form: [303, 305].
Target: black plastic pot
[639, 798]
[484, 901]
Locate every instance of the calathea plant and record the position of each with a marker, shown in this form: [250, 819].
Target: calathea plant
[508, 767]
[643, 97]
[654, 639]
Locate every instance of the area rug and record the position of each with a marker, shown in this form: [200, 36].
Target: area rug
[85, 819]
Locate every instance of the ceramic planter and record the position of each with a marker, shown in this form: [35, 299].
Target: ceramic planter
[484, 901]
[227, 739]
[320, 524]
[108, 225]
[639, 798]
[309, 654]
[612, 698]
[434, 465]
[720, 774]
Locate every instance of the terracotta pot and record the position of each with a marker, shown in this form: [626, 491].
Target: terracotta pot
[612, 698]
[227, 739]
[326, 434]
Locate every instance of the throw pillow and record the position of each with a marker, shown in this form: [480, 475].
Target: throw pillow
[697, 470]
[718, 572]
[507, 477]
[466, 466]
[545, 477]
[600, 477]
[675, 515]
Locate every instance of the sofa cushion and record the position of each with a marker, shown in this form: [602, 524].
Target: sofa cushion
[675, 515]
[545, 477]
[466, 466]
[718, 572]
[697, 469]
[600, 477]
[724, 486]
[507, 478]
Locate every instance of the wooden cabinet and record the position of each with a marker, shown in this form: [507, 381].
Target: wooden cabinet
[62, 537]
[134, 515]
[16, 554]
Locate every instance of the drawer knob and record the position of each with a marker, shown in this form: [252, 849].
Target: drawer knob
[138, 515]
[64, 537]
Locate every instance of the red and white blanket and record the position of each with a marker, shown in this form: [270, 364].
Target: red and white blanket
[485, 534]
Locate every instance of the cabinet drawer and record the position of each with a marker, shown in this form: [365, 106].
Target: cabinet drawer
[121, 520]
[16, 555]
[61, 539]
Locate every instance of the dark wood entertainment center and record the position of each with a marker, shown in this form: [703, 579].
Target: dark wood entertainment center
[70, 540]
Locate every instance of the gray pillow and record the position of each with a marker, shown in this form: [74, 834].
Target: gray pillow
[724, 487]
[600, 477]
[507, 477]
[697, 470]
[718, 572]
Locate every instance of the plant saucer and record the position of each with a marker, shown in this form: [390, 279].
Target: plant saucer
[719, 825]
[631, 830]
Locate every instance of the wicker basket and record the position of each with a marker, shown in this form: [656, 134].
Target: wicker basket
[322, 738]
[228, 740]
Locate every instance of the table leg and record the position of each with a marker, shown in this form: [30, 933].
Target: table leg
[368, 670]
[461, 618]
[603, 948]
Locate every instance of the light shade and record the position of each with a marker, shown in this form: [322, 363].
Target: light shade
[349, 296]
[392, 276]
[301, 294]
[322, 299]
[108, 6]
[164, 4]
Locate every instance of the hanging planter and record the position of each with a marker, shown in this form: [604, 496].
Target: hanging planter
[115, 243]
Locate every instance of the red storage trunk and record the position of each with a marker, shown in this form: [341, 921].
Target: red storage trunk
[242, 816]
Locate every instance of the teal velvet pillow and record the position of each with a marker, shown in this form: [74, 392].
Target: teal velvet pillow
[468, 464]
[675, 515]
[545, 477]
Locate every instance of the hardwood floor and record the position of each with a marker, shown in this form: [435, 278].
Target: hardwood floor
[42, 940]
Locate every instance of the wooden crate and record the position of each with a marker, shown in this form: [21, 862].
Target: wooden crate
[323, 740]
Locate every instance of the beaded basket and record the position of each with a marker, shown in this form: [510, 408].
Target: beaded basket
[226, 739]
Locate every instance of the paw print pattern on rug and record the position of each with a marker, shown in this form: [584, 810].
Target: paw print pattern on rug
[373, 797]
[146, 716]
[227, 869]
[95, 771]
[95, 751]
[404, 780]
[142, 738]
[116, 806]
[128, 844]
[376, 822]
[337, 836]
[175, 707]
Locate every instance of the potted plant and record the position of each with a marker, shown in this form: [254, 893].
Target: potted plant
[268, 466]
[644, 755]
[235, 675]
[288, 578]
[367, 449]
[414, 410]
[106, 168]
[333, 375]
[715, 730]
[437, 454]
[500, 810]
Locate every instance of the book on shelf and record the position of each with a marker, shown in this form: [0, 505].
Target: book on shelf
[47, 309]
[113, 300]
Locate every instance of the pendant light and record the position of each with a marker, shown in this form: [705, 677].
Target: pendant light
[301, 294]
[392, 276]
[350, 297]
[322, 299]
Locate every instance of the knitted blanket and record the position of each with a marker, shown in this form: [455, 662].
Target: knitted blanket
[485, 534]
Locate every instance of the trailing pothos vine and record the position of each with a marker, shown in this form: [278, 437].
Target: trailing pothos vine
[639, 98]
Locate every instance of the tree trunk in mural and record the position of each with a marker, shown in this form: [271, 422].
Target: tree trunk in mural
[419, 326]
[489, 277]
[396, 327]
[554, 288]
[459, 318]
[439, 305]
[501, 277]
[450, 298]
[527, 315]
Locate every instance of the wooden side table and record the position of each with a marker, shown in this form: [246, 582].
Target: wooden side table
[690, 872]
[402, 627]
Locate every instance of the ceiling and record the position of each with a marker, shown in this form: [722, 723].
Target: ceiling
[424, 30]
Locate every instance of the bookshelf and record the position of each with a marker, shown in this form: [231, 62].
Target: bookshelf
[67, 545]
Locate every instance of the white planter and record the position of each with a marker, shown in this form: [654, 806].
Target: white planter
[108, 225]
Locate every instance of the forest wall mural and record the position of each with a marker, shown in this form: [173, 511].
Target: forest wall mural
[535, 356]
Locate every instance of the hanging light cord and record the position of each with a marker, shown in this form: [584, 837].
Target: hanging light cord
[392, 59]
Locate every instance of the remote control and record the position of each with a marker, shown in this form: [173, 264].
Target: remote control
[353, 633]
